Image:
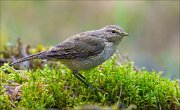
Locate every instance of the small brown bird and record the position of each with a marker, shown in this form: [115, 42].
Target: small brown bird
[85, 50]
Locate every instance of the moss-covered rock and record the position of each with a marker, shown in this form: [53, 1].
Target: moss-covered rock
[115, 85]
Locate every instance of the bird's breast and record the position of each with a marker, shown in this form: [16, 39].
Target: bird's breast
[108, 51]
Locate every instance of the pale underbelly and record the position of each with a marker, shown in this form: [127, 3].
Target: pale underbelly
[88, 63]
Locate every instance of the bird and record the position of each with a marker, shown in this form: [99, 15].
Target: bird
[83, 51]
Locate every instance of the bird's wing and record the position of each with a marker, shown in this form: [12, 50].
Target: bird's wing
[79, 46]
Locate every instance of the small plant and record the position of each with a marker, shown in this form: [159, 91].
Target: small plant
[55, 87]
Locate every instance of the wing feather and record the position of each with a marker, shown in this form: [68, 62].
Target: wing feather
[79, 46]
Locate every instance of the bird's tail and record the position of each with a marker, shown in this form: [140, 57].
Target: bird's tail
[30, 57]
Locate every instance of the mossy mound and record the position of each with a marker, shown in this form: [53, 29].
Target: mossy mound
[115, 85]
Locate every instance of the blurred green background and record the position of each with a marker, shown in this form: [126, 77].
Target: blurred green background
[153, 27]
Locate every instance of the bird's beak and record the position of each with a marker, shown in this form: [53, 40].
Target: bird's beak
[124, 34]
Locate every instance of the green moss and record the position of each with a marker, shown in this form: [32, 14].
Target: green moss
[56, 87]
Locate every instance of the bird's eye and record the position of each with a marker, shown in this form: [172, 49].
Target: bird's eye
[113, 31]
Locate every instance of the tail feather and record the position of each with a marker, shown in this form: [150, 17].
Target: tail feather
[30, 57]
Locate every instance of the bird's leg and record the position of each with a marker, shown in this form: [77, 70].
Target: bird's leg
[79, 76]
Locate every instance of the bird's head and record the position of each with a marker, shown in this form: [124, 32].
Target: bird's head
[113, 33]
